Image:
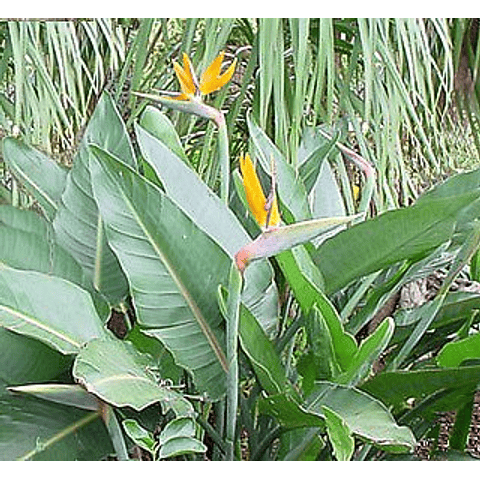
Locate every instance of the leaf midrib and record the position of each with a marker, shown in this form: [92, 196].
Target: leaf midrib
[41, 326]
[178, 282]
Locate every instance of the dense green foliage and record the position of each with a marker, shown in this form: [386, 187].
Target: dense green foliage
[125, 324]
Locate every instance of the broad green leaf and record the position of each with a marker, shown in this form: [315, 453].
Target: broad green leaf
[173, 267]
[65, 394]
[43, 255]
[32, 234]
[159, 126]
[25, 220]
[395, 388]
[326, 196]
[301, 444]
[50, 309]
[261, 353]
[339, 434]
[453, 354]
[25, 360]
[397, 235]
[457, 305]
[288, 412]
[364, 416]
[180, 446]
[458, 185]
[212, 216]
[455, 185]
[368, 351]
[121, 376]
[44, 178]
[179, 427]
[321, 346]
[306, 282]
[139, 435]
[34, 429]
[312, 159]
[291, 191]
[78, 226]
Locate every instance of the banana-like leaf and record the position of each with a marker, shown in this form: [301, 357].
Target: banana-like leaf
[44, 178]
[395, 388]
[365, 416]
[173, 268]
[50, 309]
[259, 349]
[65, 394]
[312, 156]
[32, 234]
[389, 238]
[211, 215]
[35, 429]
[160, 126]
[369, 350]
[77, 225]
[118, 374]
[326, 196]
[454, 353]
[25, 220]
[339, 434]
[26, 360]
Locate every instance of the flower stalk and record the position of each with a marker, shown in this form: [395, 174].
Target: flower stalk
[366, 168]
[233, 316]
[190, 100]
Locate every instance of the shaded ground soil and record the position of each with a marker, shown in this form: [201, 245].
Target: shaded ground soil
[446, 421]
[413, 295]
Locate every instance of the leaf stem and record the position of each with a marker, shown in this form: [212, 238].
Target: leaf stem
[223, 155]
[115, 432]
[233, 311]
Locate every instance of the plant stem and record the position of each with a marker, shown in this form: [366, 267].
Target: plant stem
[223, 156]
[266, 442]
[219, 409]
[233, 310]
[115, 432]
[212, 433]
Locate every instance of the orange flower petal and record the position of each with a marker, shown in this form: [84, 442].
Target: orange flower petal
[211, 80]
[255, 196]
[186, 85]
[187, 65]
[186, 76]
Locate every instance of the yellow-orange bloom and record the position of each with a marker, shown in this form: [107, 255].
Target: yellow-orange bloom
[210, 81]
[255, 196]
